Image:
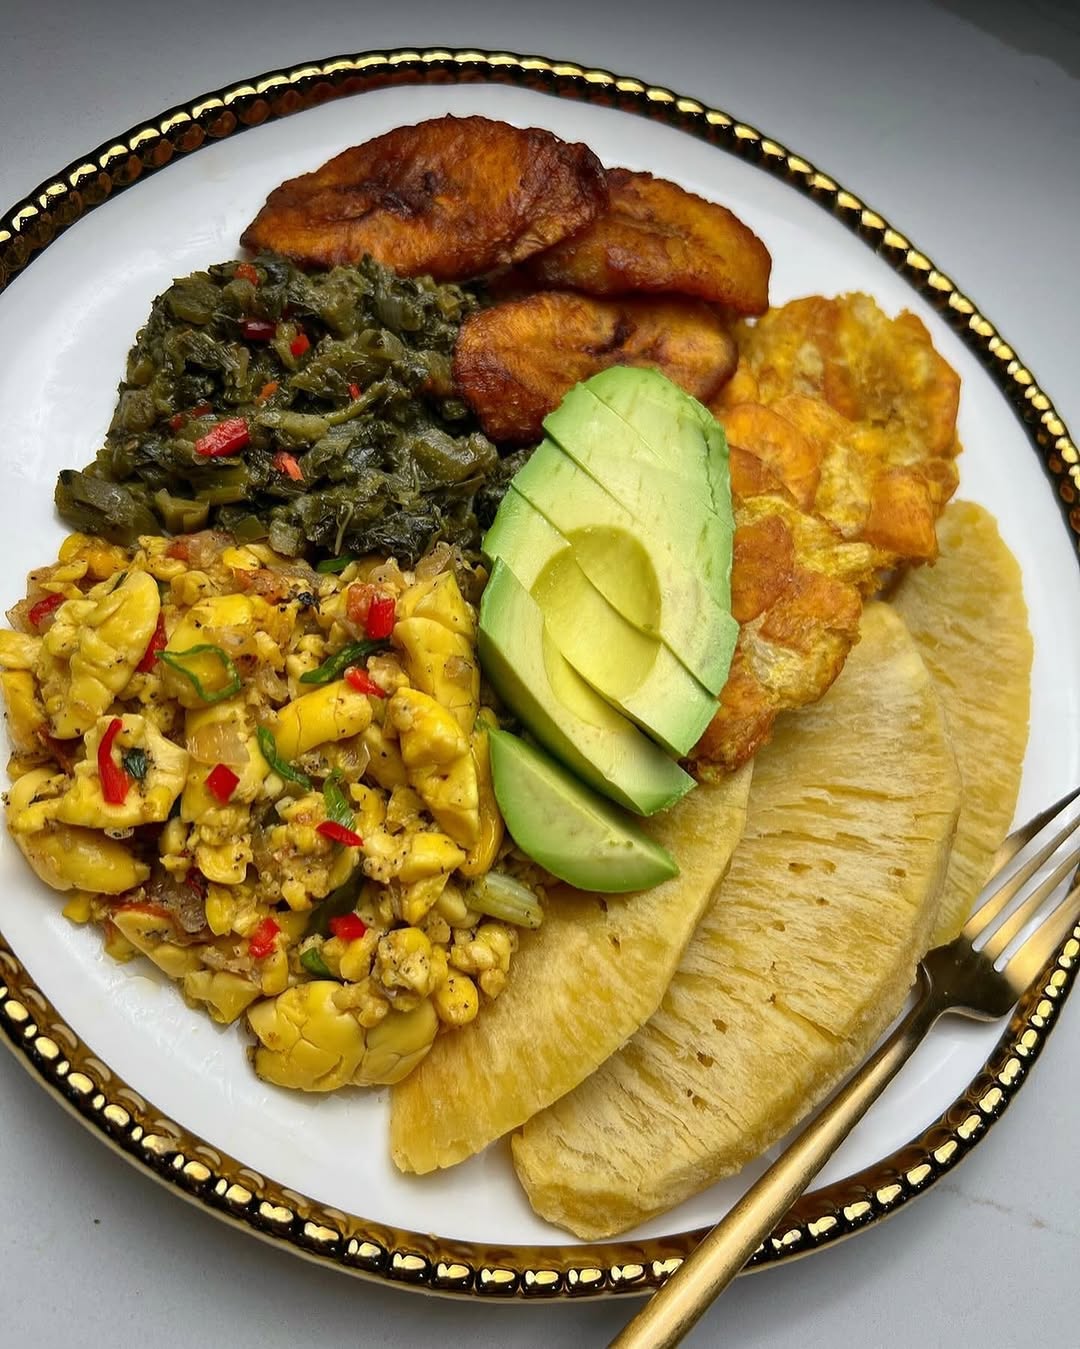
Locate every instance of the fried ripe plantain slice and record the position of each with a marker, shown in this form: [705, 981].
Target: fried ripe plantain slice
[452, 197]
[655, 236]
[514, 362]
[855, 413]
[796, 592]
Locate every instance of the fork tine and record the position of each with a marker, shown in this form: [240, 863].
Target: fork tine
[1002, 897]
[1021, 837]
[1025, 912]
[1025, 964]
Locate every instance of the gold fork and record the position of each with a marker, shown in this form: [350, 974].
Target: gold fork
[953, 978]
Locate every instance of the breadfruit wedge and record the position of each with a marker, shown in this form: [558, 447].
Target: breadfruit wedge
[802, 959]
[969, 620]
[580, 985]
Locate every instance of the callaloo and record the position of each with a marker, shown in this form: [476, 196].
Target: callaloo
[315, 411]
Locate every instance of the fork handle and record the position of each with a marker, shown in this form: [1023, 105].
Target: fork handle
[708, 1270]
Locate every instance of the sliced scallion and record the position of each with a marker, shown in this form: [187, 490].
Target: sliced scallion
[312, 961]
[175, 661]
[330, 566]
[269, 750]
[333, 668]
[336, 803]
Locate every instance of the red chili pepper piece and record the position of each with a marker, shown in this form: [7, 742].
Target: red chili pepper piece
[246, 272]
[222, 781]
[348, 926]
[40, 611]
[158, 642]
[258, 330]
[362, 682]
[228, 437]
[300, 343]
[287, 463]
[268, 390]
[380, 616]
[114, 781]
[354, 390]
[338, 833]
[202, 410]
[261, 941]
[176, 421]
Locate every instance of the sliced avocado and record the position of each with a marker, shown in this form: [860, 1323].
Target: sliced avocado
[568, 717]
[636, 572]
[680, 448]
[635, 672]
[573, 833]
[666, 488]
[643, 402]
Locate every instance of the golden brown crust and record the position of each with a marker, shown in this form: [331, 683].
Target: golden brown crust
[452, 197]
[794, 458]
[796, 590]
[750, 476]
[841, 424]
[514, 362]
[762, 566]
[855, 413]
[902, 515]
[654, 236]
[742, 724]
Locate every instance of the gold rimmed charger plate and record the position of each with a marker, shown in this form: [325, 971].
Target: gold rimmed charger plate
[63, 1061]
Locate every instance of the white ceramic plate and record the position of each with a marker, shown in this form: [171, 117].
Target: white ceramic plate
[65, 327]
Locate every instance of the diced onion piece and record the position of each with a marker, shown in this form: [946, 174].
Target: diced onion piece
[218, 742]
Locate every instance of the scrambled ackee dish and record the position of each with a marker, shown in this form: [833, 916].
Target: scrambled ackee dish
[273, 782]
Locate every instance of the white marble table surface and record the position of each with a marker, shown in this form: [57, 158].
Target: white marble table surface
[941, 116]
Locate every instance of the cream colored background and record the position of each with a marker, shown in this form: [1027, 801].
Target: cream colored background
[941, 126]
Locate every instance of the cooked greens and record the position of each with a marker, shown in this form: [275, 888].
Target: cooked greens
[315, 411]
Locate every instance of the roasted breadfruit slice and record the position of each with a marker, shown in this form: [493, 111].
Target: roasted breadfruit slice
[655, 236]
[582, 984]
[452, 197]
[969, 620]
[802, 959]
[514, 362]
[854, 412]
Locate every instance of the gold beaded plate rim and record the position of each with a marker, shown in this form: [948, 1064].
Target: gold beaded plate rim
[66, 1066]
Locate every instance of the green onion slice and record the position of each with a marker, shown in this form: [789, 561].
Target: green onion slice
[337, 803]
[330, 566]
[284, 769]
[313, 962]
[339, 901]
[175, 661]
[333, 668]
